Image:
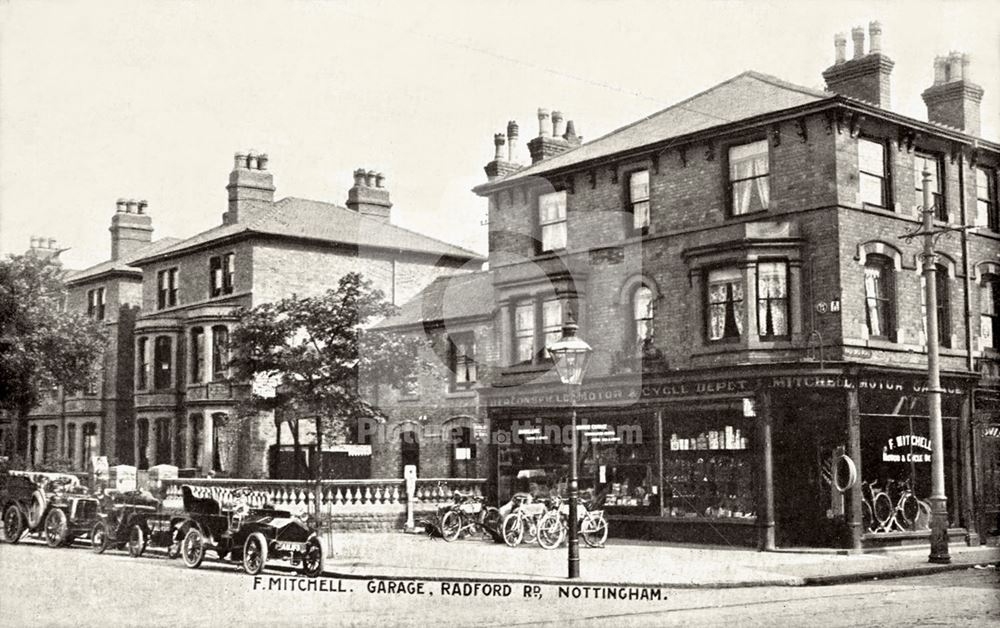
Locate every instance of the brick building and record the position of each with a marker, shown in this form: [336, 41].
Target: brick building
[93, 422]
[735, 261]
[437, 422]
[264, 250]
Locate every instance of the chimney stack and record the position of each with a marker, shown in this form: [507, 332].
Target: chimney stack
[548, 143]
[865, 76]
[368, 195]
[250, 187]
[954, 99]
[503, 162]
[131, 228]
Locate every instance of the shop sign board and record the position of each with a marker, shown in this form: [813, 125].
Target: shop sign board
[631, 393]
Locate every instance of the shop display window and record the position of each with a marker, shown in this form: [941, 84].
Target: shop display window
[708, 469]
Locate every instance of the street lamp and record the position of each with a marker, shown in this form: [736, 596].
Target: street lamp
[939, 501]
[571, 355]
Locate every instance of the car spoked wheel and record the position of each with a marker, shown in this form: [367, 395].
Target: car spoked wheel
[99, 537]
[13, 524]
[312, 560]
[136, 541]
[193, 548]
[36, 509]
[254, 554]
[56, 527]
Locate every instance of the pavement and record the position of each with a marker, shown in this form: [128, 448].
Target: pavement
[635, 563]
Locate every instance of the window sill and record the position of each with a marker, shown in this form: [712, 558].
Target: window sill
[758, 212]
[461, 393]
[526, 368]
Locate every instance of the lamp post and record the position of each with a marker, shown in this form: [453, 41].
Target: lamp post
[939, 501]
[571, 355]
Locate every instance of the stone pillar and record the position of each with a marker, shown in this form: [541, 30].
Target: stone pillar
[152, 437]
[175, 368]
[173, 439]
[207, 448]
[854, 518]
[765, 509]
[189, 444]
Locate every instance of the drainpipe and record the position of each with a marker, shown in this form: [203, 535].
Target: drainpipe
[969, 407]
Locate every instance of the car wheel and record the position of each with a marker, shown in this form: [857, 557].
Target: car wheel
[56, 527]
[512, 530]
[99, 537]
[312, 561]
[136, 541]
[451, 525]
[13, 524]
[193, 548]
[36, 509]
[254, 554]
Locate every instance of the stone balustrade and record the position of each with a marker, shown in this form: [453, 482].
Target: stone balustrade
[337, 496]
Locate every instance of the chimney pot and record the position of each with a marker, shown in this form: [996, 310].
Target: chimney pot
[499, 139]
[252, 160]
[512, 133]
[120, 206]
[142, 206]
[940, 69]
[557, 124]
[34, 242]
[239, 161]
[52, 244]
[370, 178]
[379, 180]
[954, 66]
[544, 126]
[359, 177]
[840, 47]
[858, 35]
[874, 37]
[966, 67]
[130, 206]
[262, 161]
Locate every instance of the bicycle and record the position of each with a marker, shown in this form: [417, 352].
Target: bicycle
[553, 528]
[521, 523]
[908, 508]
[468, 514]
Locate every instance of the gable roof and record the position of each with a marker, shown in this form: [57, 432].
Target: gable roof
[452, 297]
[123, 264]
[744, 96]
[316, 220]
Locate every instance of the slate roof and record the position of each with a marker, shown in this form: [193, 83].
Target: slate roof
[459, 296]
[316, 220]
[124, 264]
[744, 96]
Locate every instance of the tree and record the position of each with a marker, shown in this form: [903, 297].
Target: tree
[42, 346]
[320, 351]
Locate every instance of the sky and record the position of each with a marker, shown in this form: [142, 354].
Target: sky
[149, 100]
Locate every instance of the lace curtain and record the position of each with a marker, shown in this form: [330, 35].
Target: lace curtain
[772, 299]
[725, 304]
[873, 296]
[748, 172]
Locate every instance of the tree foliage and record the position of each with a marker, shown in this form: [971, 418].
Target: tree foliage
[323, 354]
[42, 346]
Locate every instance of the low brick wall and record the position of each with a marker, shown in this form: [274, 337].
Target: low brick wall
[385, 521]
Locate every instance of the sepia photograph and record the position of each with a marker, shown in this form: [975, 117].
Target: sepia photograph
[499, 313]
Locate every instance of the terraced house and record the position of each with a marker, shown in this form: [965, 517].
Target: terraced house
[264, 250]
[735, 261]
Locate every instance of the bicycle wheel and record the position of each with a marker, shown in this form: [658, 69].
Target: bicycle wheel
[512, 529]
[551, 530]
[491, 520]
[530, 529]
[882, 507]
[451, 525]
[907, 509]
[594, 530]
[868, 522]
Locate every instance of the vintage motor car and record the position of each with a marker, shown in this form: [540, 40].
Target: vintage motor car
[53, 505]
[247, 535]
[135, 519]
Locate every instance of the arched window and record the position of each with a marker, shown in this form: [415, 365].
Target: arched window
[409, 450]
[989, 311]
[642, 317]
[880, 290]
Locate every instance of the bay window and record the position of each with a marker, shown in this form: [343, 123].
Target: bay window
[725, 304]
[142, 364]
[552, 323]
[552, 221]
[772, 299]
[537, 323]
[197, 354]
[220, 351]
[162, 363]
[749, 172]
[524, 333]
